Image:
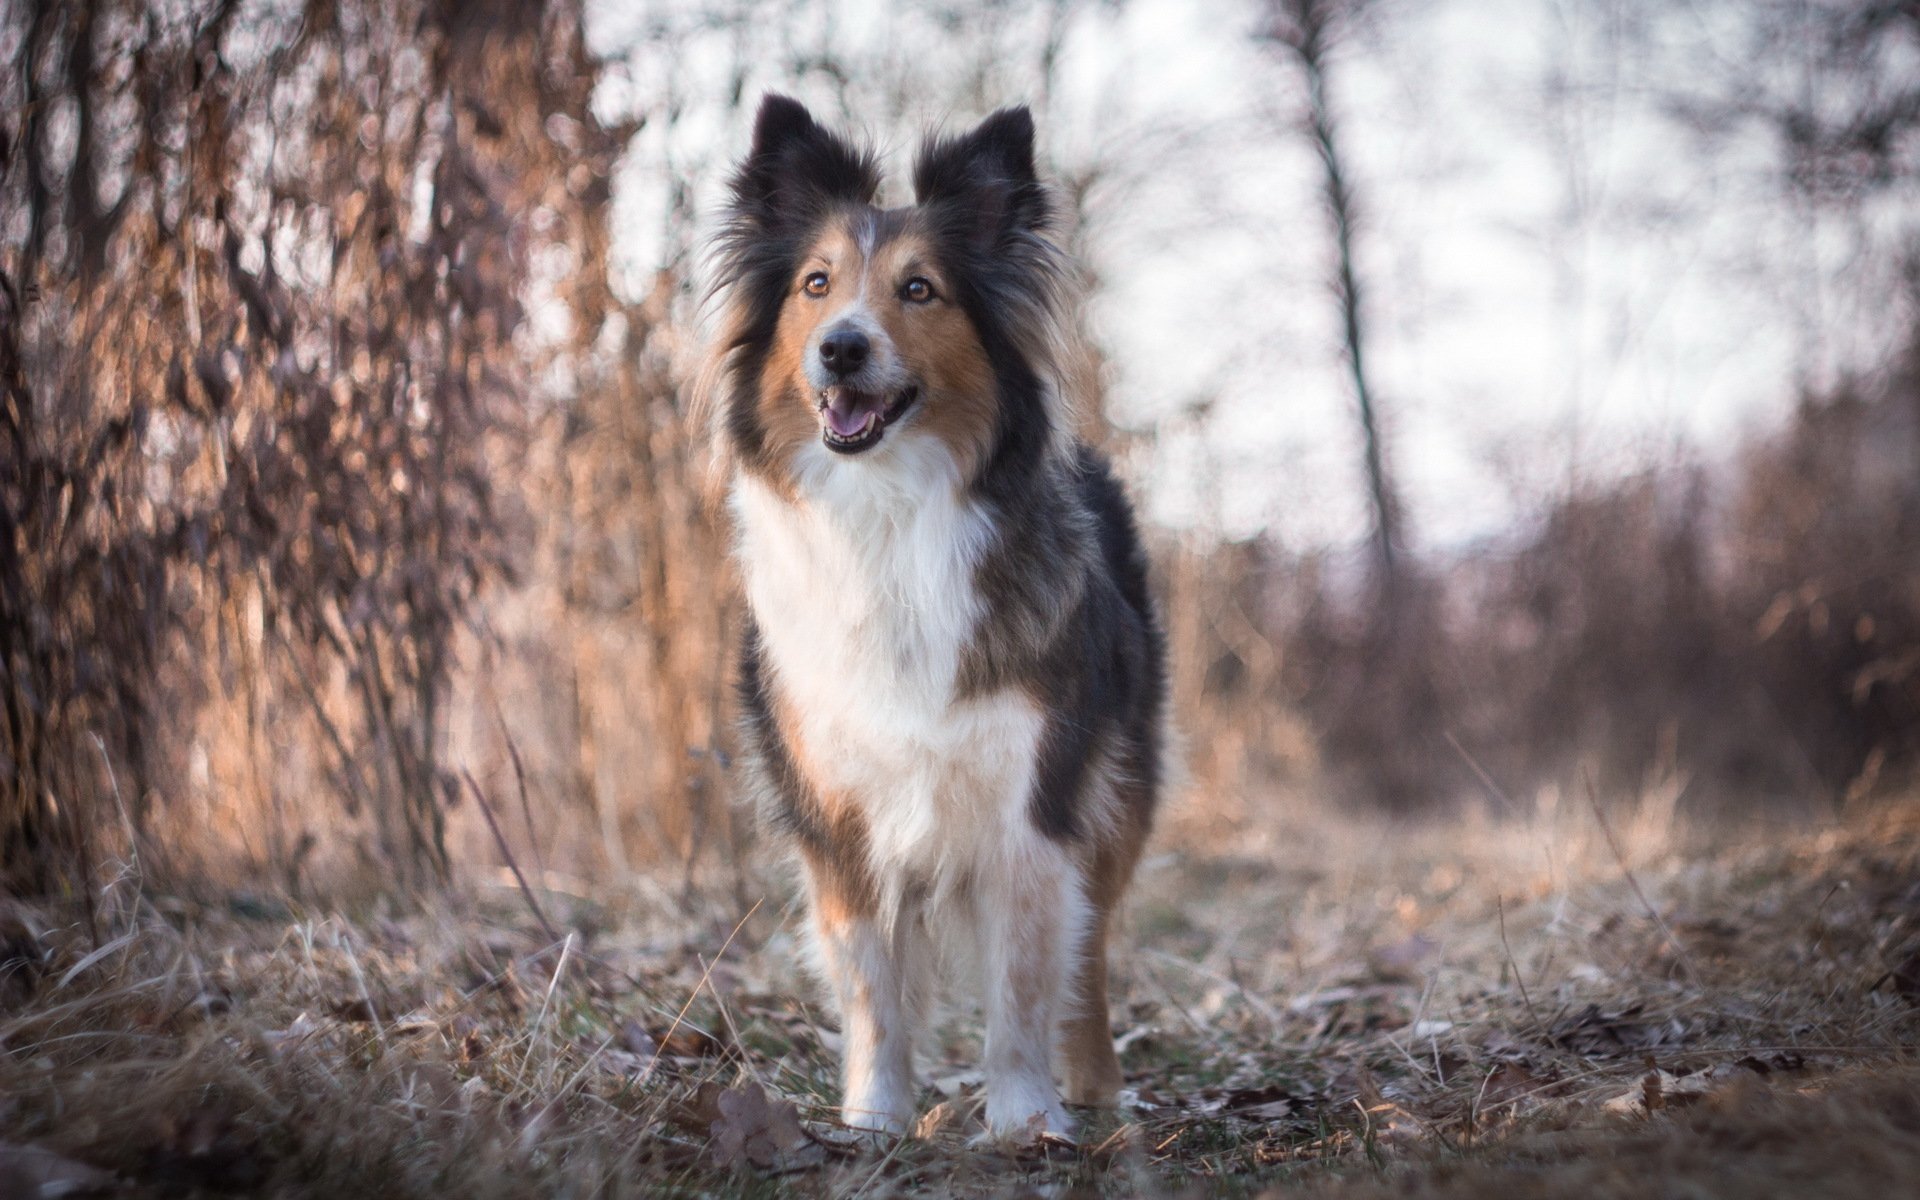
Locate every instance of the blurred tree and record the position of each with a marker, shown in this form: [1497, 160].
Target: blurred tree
[1306, 35]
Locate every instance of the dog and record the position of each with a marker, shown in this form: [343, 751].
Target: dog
[951, 673]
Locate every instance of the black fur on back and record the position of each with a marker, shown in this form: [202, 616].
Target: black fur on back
[1069, 617]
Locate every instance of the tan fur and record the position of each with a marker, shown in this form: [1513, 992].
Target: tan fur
[840, 878]
[786, 402]
[1091, 1068]
[843, 887]
[940, 347]
[936, 343]
[1087, 1059]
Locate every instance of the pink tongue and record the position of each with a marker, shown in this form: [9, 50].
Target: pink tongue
[848, 414]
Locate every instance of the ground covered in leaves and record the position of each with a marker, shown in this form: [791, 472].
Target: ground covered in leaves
[1563, 1005]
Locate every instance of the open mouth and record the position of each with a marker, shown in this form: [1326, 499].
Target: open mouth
[854, 420]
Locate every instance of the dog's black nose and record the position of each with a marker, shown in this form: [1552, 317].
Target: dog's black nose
[844, 351]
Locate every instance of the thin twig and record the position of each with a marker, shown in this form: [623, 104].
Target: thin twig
[1473, 764]
[1619, 855]
[486, 810]
[360, 982]
[733, 1029]
[705, 975]
[546, 1003]
[891, 1154]
[1500, 909]
[520, 781]
[126, 822]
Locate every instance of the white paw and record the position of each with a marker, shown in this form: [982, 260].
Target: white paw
[882, 1114]
[1026, 1114]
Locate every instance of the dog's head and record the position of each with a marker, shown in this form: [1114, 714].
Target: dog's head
[851, 327]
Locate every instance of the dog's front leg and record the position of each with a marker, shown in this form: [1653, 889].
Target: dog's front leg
[1030, 911]
[868, 977]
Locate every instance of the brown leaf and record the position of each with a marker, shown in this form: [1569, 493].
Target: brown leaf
[1511, 1083]
[1271, 1103]
[743, 1126]
[1659, 1090]
[1597, 1033]
[684, 1041]
[936, 1120]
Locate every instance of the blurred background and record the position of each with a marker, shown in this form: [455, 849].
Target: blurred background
[1523, 397]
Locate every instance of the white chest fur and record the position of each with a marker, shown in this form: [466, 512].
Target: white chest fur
[863, 592]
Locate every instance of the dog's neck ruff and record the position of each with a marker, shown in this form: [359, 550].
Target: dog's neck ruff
[862, 576]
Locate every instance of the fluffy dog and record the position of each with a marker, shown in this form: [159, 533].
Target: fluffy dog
[952, 673]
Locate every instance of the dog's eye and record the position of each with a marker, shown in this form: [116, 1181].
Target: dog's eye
[917, 290]
[816, 283]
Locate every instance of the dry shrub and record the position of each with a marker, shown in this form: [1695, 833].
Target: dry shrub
[1758, 636]
[1602, 642]
[1737, 637]
[1234, 716]
[1825, 582]
[613, 656]
[266, 348]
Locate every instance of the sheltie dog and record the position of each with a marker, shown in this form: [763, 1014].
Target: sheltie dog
[951, 673]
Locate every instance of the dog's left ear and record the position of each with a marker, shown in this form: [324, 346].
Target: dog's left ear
[986, 177]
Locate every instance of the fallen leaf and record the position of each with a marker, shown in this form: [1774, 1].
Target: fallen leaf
[936, 1120]
[1659, 1090]
[1511, 1083]
[743, 1125]
[1271, 1103]
[684, 1041]
[1597, 1033]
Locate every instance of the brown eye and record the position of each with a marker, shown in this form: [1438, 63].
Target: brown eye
[917, 290]
[816, 283]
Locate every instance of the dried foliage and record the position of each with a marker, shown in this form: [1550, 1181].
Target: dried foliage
[268, 368]
[1557, 1005]
[1735, 636]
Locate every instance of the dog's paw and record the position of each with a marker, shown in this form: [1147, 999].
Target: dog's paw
[1027, 1115]
[878, 1116]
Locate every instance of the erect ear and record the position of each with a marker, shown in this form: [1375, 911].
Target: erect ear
[797, 168]
[988, 174]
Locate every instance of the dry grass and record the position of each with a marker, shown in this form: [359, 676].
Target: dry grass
[1348, 1008]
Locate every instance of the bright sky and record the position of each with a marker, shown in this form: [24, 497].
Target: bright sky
[1561, 283]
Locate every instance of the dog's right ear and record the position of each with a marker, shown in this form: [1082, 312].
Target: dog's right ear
[796, 169]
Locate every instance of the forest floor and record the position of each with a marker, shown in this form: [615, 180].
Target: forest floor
[1561, 1006]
